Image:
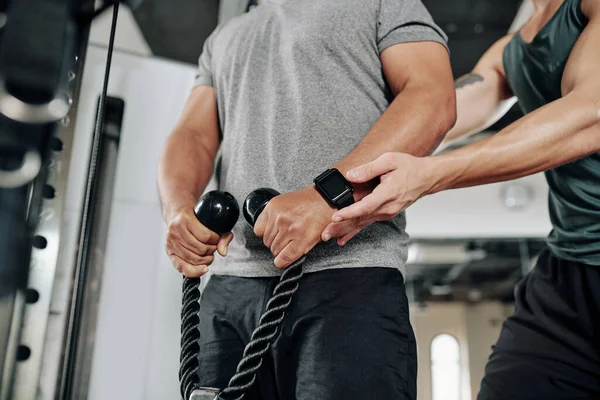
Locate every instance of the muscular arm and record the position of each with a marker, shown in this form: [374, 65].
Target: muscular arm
[483, 96]
[562, 131]
[423, 110]
[420, 77]
[186, 164]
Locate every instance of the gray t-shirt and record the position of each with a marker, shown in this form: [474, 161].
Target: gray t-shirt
[299, 83]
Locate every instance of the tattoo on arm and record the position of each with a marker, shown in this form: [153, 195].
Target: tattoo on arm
[468, 79]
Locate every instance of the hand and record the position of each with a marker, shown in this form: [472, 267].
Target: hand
[291, 224]
[191, 245]
[403, 180]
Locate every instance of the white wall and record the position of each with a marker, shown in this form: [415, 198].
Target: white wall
[483, 323]
[481, 212]
[428, 323]
[476, 327]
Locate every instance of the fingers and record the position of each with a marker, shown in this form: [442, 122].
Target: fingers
[202, 233]
[279, 244]
[224, 243]
[364, 173]
[261, 225]
[202, 249]
[346, 238]
[187, 269]
[344, 231]
[181, 251]
[362, 209]
[191, 246]
[338, 229]
[188, 256]
[184, 245]
[271, 232]
[288, 255]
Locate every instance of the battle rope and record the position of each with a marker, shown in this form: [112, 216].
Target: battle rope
[260, 341]
[190, 336]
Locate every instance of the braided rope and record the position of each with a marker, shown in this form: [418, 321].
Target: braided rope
[260, 341]
[190, 337]
[262, 337]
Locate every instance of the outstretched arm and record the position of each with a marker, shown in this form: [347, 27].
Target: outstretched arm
[560, 132]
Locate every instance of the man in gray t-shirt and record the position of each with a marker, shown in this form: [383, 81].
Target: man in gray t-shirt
[287, 91]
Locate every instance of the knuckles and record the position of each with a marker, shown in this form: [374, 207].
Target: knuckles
[283, 220]
[172, 233]
[294, 229]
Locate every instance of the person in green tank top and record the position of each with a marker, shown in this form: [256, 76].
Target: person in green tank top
[550, 347]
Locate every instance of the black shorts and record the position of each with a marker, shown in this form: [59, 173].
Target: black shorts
[549, 349]
[347, 336]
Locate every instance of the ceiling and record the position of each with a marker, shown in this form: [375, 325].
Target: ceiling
[469, 270]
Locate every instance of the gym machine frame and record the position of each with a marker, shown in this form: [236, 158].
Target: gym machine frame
[42, 54]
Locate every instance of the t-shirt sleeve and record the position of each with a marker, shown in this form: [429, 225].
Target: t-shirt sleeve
[402, 21]
[204, 76]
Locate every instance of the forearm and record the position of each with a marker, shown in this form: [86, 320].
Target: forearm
[185, 169]
[558, 133]
[414, 123]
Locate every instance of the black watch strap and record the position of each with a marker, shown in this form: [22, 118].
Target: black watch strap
[346, 200]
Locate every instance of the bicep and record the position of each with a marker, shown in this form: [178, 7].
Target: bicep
[490, 68]
[581, 72]
[482, 96]
[426, 63]
[200, 118]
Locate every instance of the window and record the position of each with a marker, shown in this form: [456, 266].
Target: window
[445, 368]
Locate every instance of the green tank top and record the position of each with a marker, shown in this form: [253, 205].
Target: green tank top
[534, 72]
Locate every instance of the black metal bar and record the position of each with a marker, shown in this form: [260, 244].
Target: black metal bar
[101, 209]
[83, 250]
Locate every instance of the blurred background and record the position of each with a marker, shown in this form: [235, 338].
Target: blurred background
[469, 247]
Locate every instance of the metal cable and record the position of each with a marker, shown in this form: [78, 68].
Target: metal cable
[260, 341]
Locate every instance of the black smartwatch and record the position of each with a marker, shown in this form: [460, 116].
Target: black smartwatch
[332, 185]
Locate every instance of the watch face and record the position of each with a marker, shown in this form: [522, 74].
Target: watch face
[333, 185]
